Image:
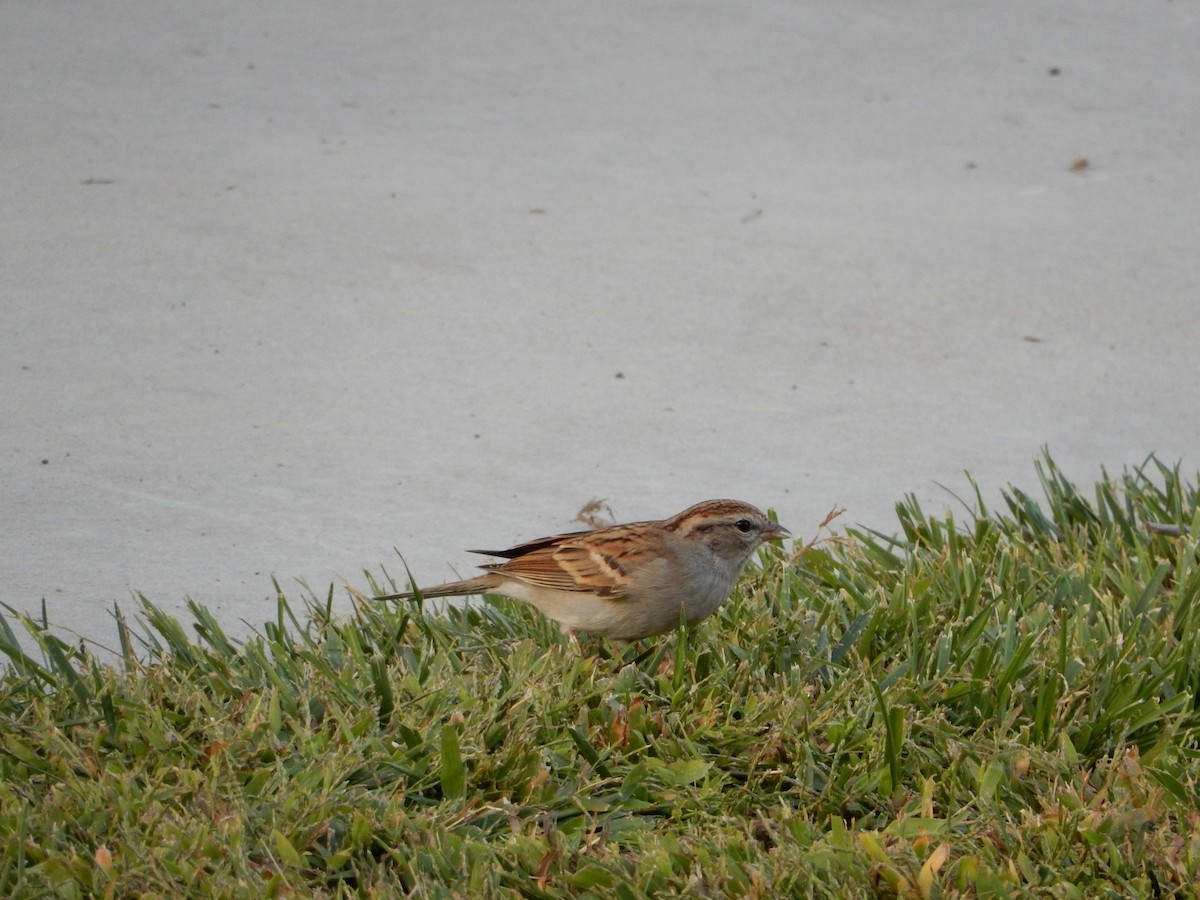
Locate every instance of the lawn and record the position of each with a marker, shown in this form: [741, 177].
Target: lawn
[985, 703]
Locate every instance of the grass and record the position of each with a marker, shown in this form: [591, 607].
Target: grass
[1003, 704]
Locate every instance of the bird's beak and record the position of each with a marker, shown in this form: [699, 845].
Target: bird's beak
[775, 532]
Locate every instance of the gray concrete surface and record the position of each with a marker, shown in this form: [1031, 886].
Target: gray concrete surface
[287, 286]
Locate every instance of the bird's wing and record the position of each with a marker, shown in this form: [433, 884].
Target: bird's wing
[530, 546]
[594, 562]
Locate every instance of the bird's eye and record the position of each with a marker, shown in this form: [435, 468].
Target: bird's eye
[745, 526]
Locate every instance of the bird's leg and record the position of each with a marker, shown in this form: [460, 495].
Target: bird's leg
[572, 637]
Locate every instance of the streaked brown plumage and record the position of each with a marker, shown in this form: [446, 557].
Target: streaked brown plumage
[627, 581]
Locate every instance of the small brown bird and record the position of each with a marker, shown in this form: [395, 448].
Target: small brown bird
[628, 581]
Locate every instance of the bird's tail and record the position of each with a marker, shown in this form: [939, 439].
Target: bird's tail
[479, 585]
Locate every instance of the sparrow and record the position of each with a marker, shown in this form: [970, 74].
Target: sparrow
[626, 582]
